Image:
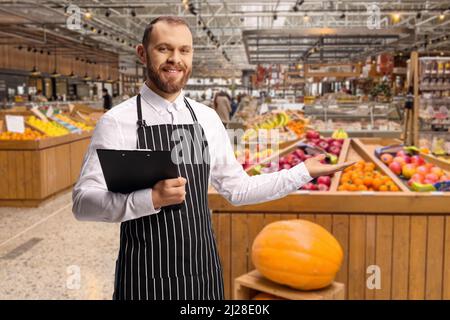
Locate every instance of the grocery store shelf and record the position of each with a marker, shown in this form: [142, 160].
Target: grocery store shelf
[365, 133]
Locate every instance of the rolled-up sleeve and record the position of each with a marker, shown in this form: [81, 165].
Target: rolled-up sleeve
[91, 199]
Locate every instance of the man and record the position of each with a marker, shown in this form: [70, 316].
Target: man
[107, 100]
[169, 252]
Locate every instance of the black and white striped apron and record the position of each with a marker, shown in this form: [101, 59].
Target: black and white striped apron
[172, 254]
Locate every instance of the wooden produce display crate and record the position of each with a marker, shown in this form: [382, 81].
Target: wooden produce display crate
[252, 283]
[33, 171]
[17, 111]
[357, 151]
[370, 145]
[292, 147]
[404, 233]
[85, 114]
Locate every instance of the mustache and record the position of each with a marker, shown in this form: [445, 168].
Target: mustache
[179, 66]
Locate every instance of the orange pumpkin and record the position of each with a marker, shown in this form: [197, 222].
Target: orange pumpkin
[297, 253]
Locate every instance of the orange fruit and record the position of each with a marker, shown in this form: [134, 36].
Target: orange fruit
[394, 188]
[383, 188]
[362, 188]
[358, 181]
[376, 183]
[367, 181]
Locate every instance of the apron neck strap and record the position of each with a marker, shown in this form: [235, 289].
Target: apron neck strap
[190, 110]
[141, 122]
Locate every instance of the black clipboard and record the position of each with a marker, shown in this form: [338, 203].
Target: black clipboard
[126, 171]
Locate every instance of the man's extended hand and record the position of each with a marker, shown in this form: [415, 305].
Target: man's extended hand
[169, 192]
[317, 169]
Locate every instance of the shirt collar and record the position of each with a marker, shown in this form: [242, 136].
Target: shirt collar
[160, 104]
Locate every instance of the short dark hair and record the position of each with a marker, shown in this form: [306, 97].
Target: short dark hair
[168, 19]
[105, 90]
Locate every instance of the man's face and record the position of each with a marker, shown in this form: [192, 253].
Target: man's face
[169, 56]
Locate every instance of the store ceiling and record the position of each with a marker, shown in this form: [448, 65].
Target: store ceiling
[225, 31]
[316, 45]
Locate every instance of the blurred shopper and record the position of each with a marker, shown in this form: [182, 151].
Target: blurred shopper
[222, 105]
[107, 100]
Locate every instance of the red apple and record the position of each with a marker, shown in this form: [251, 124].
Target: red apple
[407, 159]
[417, 160]
[311, 134]
[322, 187]
[437, 171]
[323, 144]
[336, 143]
[300, 153]
[386, 158]
[326, 180]
[334, 150]
[309, 186]
[400, 160]
[426, 181]
[417, 177]
[395, 167]
[408, 170]
[401, 153]
[432, 177]
[423, 170]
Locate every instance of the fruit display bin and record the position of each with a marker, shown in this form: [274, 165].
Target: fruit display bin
[33, 171]
[403, 238]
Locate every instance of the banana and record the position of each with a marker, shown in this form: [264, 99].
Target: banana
[420, 187]
[339, 134]
[411, 149]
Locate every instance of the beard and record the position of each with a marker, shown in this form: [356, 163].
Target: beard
[167, 85]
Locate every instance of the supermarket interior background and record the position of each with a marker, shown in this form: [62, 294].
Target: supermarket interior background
[363, 81]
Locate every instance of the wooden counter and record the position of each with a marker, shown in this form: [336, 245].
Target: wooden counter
[33, 171]
[405, 234]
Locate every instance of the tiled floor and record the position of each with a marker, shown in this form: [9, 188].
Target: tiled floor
[46, 254]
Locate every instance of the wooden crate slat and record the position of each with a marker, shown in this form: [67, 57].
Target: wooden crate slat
[342, 158]
[370, 258]
[255, 223]
[446, 271]
[400, 254]
[384, 255]
[435, 256]
[341, 233]
[417, 258]
[225, 251]
[356, 262]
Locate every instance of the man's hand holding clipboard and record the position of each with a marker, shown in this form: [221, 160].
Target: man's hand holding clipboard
[169, 192]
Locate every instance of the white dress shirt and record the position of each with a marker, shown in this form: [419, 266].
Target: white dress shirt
[116, 129]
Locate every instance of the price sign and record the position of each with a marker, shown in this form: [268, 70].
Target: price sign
[50, 112]
[15, 124]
